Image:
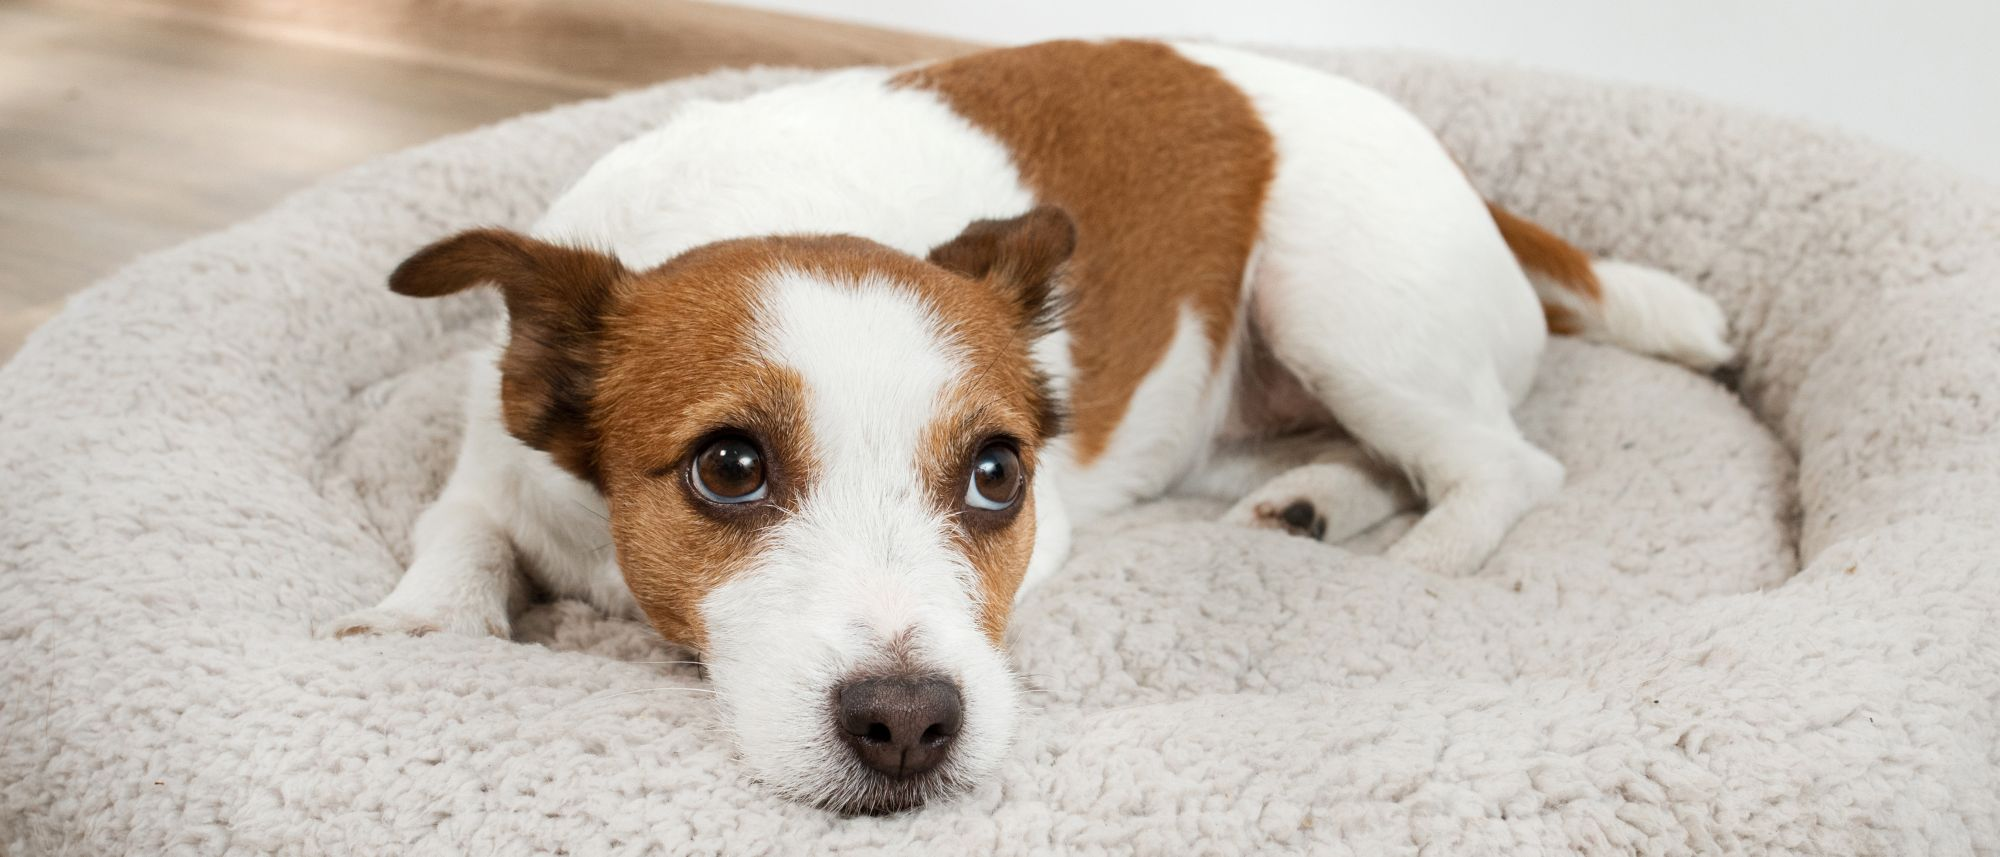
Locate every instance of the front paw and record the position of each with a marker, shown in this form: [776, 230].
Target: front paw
[385, 620]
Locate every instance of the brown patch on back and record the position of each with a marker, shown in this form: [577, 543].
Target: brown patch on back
[1162, 164]
[1540, 251]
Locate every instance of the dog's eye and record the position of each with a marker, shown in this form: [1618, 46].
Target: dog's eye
[995, 481]
[729, 470]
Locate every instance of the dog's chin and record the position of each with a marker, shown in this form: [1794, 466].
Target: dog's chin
[852, 790]
[872, 794]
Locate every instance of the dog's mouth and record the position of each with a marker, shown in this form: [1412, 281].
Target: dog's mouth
[849, 788]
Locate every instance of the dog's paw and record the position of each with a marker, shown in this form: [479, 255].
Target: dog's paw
[388, 621]
[1298, 517]
[1330, 501]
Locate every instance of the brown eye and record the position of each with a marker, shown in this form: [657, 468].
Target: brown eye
[729, 470]
[995, 481]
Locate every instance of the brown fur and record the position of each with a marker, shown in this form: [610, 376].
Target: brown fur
[555, 296]
[1017, 259]
[1542, 252]
[1162, 163]
[1561, 320]
[998, 544]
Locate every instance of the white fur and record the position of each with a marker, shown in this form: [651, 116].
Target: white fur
[504, 503]
[843, 154]
[1169, 423]
[1380, 283]
[1653, 312]
[1645, 310]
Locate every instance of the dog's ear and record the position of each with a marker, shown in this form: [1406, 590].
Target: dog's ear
[1021, 255]
[556, 298]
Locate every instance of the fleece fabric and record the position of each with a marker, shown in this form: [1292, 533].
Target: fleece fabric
[1759, 619]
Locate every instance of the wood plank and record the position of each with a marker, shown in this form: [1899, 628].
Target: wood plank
[603, 44]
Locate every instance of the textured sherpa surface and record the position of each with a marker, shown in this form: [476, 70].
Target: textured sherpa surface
[1758, 620]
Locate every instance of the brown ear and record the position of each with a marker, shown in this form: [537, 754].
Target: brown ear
[556, 298]
[1020, 255]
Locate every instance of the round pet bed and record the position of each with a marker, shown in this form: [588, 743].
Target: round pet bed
[1760, 618]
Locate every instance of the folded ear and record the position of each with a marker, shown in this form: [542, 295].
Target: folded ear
[556, 298]
[1019, 255]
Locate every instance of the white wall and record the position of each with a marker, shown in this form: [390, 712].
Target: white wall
[1923, 75]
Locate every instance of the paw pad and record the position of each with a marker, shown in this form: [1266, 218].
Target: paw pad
[1300, 518]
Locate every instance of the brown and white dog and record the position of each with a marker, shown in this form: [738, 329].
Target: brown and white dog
[843, 363]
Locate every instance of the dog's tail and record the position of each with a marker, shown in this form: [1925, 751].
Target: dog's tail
[1633, 307]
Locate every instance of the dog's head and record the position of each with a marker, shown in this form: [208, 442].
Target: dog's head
[819, 455]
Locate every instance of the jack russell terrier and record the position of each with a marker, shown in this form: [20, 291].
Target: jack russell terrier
[840, 365]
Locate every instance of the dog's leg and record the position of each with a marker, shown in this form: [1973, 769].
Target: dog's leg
[1459, 446]
[464, 578]
[1385, 287]
[1318, 485]
[1332, 497]
[1438, 414]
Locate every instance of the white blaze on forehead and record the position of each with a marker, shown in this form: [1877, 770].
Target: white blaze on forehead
[876, 362]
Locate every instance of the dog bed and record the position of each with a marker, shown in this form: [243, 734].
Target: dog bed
[1760, 618]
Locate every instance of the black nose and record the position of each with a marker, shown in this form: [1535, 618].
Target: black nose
[900, 725]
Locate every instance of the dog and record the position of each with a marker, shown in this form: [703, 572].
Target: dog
[838, 368]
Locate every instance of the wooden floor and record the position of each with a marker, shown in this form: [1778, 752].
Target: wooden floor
[128, 125]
